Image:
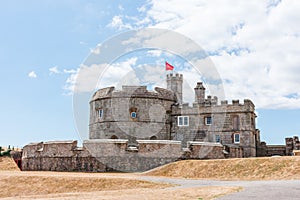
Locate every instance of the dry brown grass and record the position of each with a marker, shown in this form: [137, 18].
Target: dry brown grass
[203, 193]
[104, 186]
[269, 168]
[8, 164]
[24, 184]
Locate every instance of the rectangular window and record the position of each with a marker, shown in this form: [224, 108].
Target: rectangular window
[208, 120]
[236, 123]
[100, 113]
[133, 114]
[183, 120]
[217, 138]
[186, 121]
[236, 138]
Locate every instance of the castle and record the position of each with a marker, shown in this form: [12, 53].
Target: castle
[135, 129]
[136, 113]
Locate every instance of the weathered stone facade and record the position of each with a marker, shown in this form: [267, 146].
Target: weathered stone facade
[116, 106]
[134, 129]
[158, 114]
[222, 127]
[103, 155]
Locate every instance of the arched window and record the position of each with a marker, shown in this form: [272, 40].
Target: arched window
[114, 137]
[153, 137]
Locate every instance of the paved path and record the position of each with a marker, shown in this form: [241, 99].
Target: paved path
[283, 189]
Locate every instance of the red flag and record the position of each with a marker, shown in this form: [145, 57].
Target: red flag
[169, 67]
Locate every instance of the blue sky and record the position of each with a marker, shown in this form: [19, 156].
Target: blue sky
[253, 45]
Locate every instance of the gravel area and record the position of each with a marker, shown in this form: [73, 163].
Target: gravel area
[271, 189]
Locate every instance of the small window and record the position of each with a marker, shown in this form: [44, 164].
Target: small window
[100, 113]
[133, 114]
[114, 137]
[153, 138]
[208, 120]
[236, 138]
[183, 120]
[217, 138]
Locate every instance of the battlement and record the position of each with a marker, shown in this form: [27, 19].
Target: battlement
[133, 91]
[164, 93]
[200, 85]
[210, 101]
[175, 76]
[213, 101]
[51, 148]
[103, 93]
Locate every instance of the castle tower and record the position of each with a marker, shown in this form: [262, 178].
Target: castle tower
[199, 93]
[174, 83]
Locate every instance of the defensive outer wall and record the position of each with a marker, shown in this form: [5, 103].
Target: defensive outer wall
[117, 155]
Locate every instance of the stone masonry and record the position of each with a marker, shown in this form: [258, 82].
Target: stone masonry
[114, 155]
[291, 144]
[158, 115]
[135, 129]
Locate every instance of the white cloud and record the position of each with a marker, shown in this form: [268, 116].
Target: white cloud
[88, 78]
[82, 43]
[71, 80]
[70, 71]
[117, 22]
[95, 50]
[54, 70]
[254, 44]
[32, 74]
[118, 74]
[120, 7]
[154, 53]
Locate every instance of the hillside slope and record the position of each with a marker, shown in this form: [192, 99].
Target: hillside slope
[8, 164]
[268, 168]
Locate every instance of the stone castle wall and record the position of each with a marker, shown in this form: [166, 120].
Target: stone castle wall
[222, 123]
[114, 155]
[150, 108]
[291, 144]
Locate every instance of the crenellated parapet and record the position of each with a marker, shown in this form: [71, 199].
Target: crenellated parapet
[51, 149]
[174, 77]
[103, 93]
[133, 92]
[212, 105]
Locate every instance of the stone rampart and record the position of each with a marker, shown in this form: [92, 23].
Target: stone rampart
[103, 155]
[205, 150]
